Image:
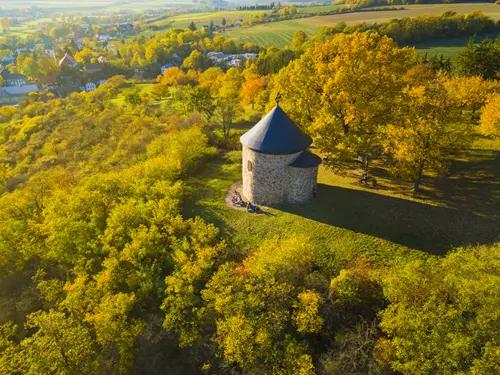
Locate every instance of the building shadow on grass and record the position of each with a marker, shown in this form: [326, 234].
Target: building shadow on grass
[432, 229]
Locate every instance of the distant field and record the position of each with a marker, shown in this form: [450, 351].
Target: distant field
[281, 33]
[277, 34]
[93, 5]
[489, 9]
[319, 8]
[24, 28]
[205, 18]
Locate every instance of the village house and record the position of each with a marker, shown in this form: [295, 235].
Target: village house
[14, 94]
[90, 86]
[68, 60]
[50, 53]
[235, 62]
[8, 59]
[103, 37]
[11, 79]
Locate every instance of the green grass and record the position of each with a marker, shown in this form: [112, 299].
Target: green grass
[141, 87]
[346, 220]
[450, 47]
[277, 34]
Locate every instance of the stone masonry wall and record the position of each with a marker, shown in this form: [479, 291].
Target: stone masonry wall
[301, 182]
[267, 183]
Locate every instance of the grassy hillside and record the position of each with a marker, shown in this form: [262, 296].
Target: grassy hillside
[281, 33]
[347, 220]
[277, 34]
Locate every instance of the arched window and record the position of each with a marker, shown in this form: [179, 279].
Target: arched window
[249, 166]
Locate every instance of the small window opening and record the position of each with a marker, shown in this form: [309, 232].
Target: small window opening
[249, 166]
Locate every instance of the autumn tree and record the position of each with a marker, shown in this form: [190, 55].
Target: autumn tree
[343, 92]
[428, 127]
[227, 102]
[470, 92]
[442, 314]
[299, 38]
[252, 89]
[60, 345]
[262, 309]
[489, 123]
[196, 61]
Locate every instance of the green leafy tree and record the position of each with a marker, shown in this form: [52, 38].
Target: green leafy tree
[479, 60]
[299, 38]
[442, 314]
[60, 345]
[196, 61]
[262, 309]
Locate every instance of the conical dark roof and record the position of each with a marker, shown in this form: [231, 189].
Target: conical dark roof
[306, 160]
[276, 134]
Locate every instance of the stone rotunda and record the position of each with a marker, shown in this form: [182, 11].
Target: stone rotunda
[277, 164]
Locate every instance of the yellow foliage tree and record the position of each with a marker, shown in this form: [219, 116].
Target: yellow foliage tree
[470, 92]
[344, 91]
[427, 128]
[251, 89]
[489, 124]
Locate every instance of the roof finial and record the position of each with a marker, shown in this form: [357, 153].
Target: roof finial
[277, 98]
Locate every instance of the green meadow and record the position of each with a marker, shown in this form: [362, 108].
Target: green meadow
[348, 220]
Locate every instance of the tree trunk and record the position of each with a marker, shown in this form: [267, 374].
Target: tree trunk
[365, 162]
[416, 185]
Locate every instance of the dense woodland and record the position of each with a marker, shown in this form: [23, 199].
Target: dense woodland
[103, 273]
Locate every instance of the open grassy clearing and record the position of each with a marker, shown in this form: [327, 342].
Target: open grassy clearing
[25, 28]
[450, 47]
[277, 34]
[141, 87]
[346, 220]
[281, 33]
